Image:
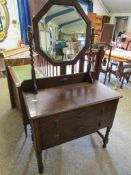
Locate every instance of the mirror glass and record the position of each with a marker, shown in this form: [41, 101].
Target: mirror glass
[62, 33]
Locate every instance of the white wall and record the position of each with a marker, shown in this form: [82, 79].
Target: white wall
[129, 24]
[13, 35]
[99, 8]
[113, 15]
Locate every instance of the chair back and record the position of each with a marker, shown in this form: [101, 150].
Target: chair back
[107, 33]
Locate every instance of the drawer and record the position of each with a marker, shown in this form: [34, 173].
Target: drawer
[74, 124]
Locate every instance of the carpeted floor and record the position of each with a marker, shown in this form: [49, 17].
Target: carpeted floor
[84, 156]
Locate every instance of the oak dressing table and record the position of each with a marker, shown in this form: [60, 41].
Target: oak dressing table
[71, 105]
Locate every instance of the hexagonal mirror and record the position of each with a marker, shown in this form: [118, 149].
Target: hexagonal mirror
[62, 33]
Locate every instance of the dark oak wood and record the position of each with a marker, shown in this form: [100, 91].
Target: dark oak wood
[107, 33]
[63, 111]
[14, 83]
[106, 19]
[35, 6]
[33, 75]
[16, 90]
[65, 97]
[66, 107]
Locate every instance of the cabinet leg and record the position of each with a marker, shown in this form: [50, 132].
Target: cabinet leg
[106, 139]
[40, 163]
[25, 128]
[31, 134]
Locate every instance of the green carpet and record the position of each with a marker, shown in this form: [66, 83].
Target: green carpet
[24, 72]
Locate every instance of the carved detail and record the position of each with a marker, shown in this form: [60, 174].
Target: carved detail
[90, 57]
[40, 163]
[30, 38]
[106, 140]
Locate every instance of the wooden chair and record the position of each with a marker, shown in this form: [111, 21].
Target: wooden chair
[126, 73]
[125, 70]
[113, 69]
[105, 66]
[106, 37]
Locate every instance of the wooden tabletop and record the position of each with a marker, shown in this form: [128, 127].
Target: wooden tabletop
[119, 55]
[65, 98]
[24, 55]
[15, 51]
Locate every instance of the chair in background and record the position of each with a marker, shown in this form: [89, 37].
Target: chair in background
[113, 68]
[126, 72]
[106, 37]
[107, 33]
[124, 69]
[105, 66]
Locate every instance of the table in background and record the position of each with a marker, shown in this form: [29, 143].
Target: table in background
[19, 56]
[121, 56]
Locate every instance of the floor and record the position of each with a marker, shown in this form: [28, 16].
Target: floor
[84, 156]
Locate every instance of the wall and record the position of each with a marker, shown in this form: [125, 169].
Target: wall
[99, 8]
[113, 15]
[13, 35]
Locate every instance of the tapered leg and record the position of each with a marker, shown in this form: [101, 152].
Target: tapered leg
[117, 81]
[122, 81]
[32, 138]
[109, 77]
[40, 163]
[25, 128]
[128, 78]
[105, 78]
[105, 140]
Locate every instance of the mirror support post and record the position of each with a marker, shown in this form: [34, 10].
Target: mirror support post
[90, 55]
[33, 75]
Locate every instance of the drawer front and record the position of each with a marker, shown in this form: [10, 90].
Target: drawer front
[74, 124]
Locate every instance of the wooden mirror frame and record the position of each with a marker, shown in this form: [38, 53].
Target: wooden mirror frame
[42, 12]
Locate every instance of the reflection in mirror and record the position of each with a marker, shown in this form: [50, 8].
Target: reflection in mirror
[62, 33]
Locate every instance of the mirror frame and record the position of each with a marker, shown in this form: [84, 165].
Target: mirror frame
[42, 12]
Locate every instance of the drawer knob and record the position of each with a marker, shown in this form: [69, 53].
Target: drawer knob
[102, 110]
[99, 124]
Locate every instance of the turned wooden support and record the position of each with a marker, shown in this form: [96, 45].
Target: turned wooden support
[33, 75]
[106, 138]
[40, 163]
[90, 57]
